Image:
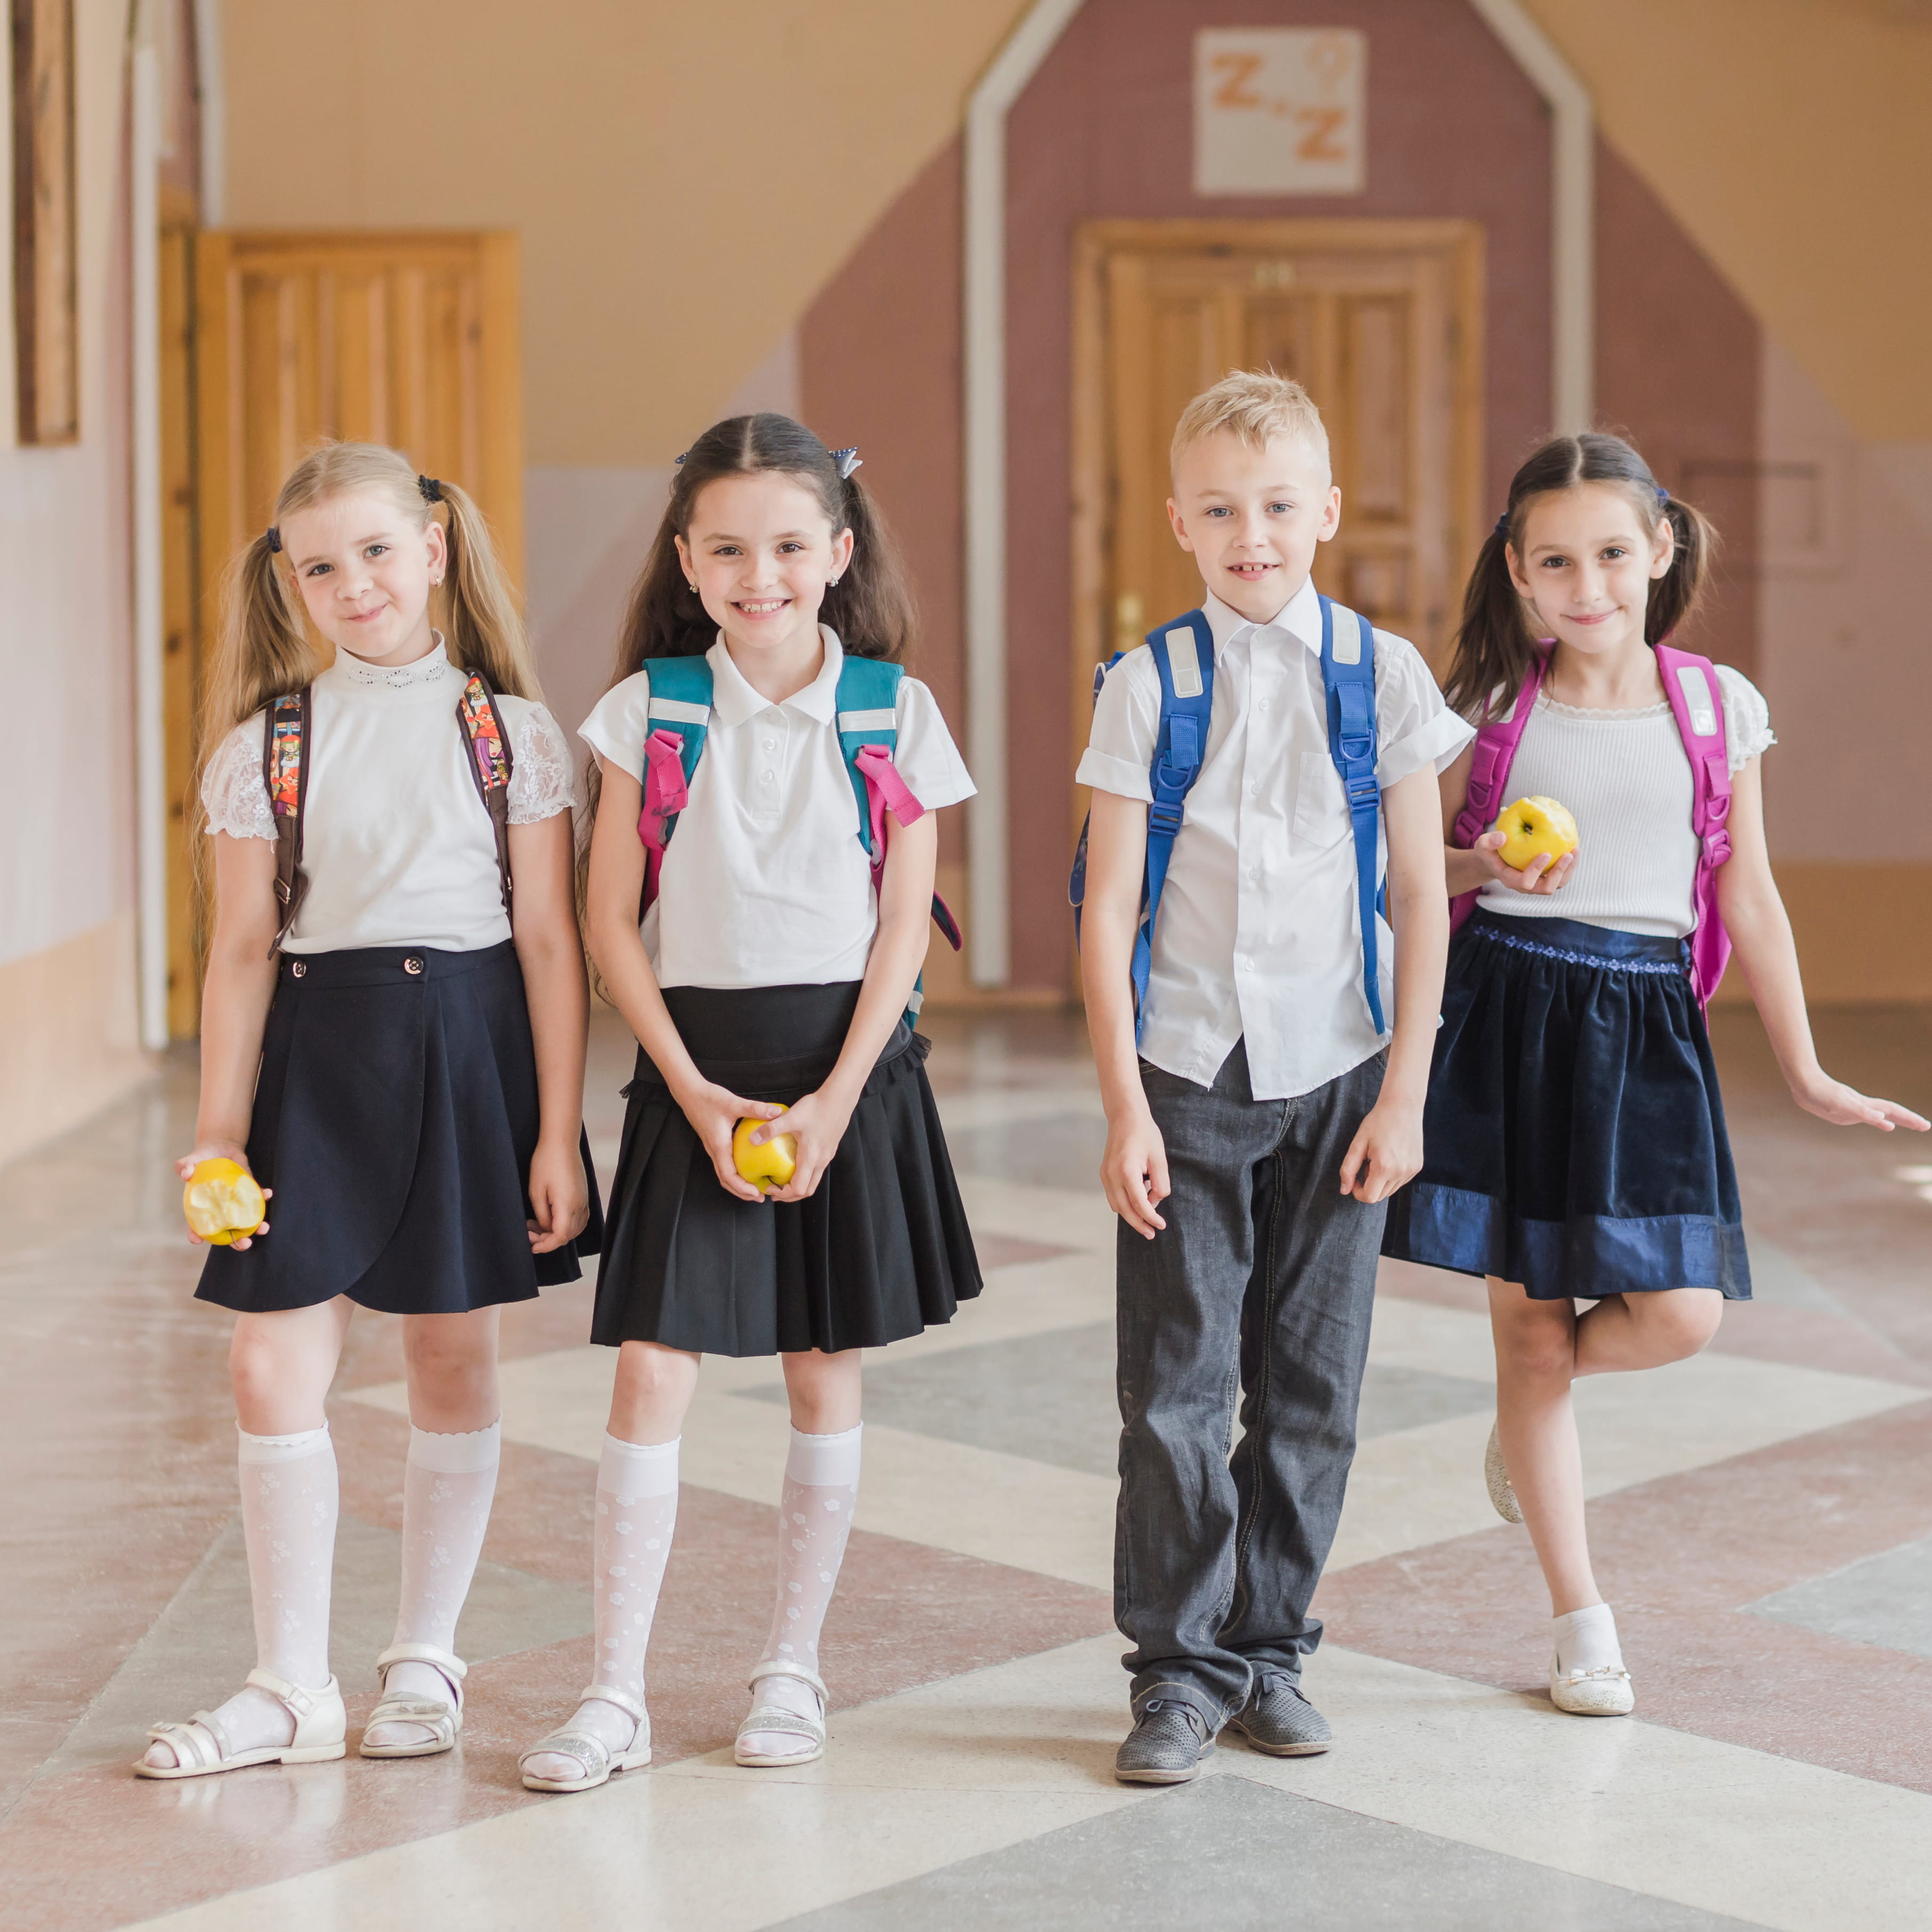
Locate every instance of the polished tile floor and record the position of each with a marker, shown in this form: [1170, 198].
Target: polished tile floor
[1763, 1515]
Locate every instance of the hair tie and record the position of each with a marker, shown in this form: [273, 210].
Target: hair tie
[1662, 497]
[848, 461]
[680, 459]
[431, 490]
[274, 540]
[1503, 524]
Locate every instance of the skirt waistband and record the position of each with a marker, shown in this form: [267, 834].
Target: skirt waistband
[388, 965]
[774, 1043]
[1579, 944]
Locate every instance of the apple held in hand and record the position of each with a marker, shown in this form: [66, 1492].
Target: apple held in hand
[1532, 827]
[222, 1201]
[767, 1166]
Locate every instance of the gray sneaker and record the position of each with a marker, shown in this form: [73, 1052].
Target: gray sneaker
[1279, 1720]
[1165, 1746]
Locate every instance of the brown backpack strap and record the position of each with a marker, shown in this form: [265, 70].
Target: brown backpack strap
[491, 764]
[285, 740]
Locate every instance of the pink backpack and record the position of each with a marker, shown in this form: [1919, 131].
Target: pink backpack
[1690, 684]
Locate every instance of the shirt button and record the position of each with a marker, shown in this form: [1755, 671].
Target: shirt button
[1262, 706]
[1254, 791]
[769, 742]
[768, 778]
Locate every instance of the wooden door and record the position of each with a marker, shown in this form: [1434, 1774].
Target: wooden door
[272, 342]
[1380, 321]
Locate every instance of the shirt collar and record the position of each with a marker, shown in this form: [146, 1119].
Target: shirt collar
[1300, 617]
[734, 700]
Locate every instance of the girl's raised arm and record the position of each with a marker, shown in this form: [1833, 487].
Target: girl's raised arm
[1760, 931]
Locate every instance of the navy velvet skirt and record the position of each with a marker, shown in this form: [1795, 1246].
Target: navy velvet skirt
[1574, 1137]
[879, 1251]
[395, 1116]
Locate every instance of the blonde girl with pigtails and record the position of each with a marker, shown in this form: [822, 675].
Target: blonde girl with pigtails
[1574, 1140]
[393, 1029]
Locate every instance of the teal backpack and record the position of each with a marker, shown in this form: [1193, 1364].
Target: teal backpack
[868, 720]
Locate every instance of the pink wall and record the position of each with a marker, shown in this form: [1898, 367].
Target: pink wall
[1105, 130]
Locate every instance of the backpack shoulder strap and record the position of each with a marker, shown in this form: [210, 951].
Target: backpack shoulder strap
[1697, 704]
[1348, 685]
[491, 765]
[1494, 753]
[1183, 658]
[868, 704]
[285, 743]
[679, 715]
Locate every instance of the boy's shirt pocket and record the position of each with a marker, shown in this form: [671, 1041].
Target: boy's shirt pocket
[1321, 812]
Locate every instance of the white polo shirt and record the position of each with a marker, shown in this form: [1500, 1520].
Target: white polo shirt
[764, 882]
[1259, 934]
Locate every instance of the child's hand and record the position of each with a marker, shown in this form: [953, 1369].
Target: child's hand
[219, 1150]
[1542, 874]
[1846, 1107]
[817, 1123]
[714, 1113]
[1133, 1170]
[1387, 1150]
[560, 1197]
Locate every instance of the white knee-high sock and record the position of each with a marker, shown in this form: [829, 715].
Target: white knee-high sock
[449, 1483]
[637, 1511]
[289, 1505]
[821, 1490]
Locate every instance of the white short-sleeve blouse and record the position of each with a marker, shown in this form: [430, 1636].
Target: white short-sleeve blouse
[397, 845]
[764, 882]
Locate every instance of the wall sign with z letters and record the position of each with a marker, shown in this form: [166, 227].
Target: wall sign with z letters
[1280, 110]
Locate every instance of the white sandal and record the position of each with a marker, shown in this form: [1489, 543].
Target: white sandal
[778, 1718]
[443, 1721]
[590, 1750]
[201, 1746]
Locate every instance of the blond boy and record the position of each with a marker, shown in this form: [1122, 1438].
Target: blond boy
[1254, 1137]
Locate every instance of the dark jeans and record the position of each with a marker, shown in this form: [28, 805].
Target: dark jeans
[1265, 1273]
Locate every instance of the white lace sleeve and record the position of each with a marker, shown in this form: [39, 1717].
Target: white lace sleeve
[232, 787]
[543, 780]
[1747, 731]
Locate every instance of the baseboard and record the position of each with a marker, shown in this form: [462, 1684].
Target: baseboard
[1864, 933]
[68, 1044]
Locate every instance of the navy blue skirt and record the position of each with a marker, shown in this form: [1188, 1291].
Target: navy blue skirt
[879, 1251]
[1574, 1137]
[395, 1116]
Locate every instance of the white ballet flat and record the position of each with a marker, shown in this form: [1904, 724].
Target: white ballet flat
[201, 1747]
[443, 1721]
[765, 1717]
[1495, 1475]
[597, 1758]
[1607, 1692]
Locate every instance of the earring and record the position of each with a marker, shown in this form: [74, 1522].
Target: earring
[833, 585]
[692, 582]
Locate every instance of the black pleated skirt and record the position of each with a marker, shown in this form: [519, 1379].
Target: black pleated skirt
[880, 1250]
[1574, 1137]
[395, 1117]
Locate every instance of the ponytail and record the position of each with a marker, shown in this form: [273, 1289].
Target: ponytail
[1494, 647]
[486, 630]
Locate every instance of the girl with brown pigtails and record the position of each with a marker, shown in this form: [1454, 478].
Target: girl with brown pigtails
[1574, 1135]
[766, 957]
[392, 1045]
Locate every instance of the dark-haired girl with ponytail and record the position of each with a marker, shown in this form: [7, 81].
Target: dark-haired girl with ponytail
[768, 978]
[392, 1041]
[1574, 1135]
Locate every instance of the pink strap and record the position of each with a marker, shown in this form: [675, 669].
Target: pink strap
[1489, 764]
[666, 795]
[1710, 811]
[885, 791]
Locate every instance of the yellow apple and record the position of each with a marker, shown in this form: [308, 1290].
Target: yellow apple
[1532, 825]
[767, 1166]
[222, 1201]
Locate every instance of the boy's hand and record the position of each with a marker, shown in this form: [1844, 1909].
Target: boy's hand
[560, 1197]
[1133, 1170]
[1542, 874]
[1387, 1150]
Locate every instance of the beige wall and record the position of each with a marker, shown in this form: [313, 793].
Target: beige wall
[67, 1025]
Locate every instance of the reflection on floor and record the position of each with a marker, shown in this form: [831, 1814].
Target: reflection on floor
[1763, 1515]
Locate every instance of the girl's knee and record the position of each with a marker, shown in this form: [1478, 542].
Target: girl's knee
[1681, 1321]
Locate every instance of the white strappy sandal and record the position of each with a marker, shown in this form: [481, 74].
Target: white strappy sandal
[201, 1746]
[810, 1731]
[590, 1750]
[443, 1721]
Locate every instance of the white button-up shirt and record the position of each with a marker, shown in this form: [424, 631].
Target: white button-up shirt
[1259, 933]
[764, 881]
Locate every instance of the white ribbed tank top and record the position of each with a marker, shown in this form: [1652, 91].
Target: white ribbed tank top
[1627, 782]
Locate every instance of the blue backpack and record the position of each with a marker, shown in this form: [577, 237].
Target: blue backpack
[1184, 655]
[867, 721]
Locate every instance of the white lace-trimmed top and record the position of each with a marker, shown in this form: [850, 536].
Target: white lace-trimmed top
[1627, 782]
[396, 844]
